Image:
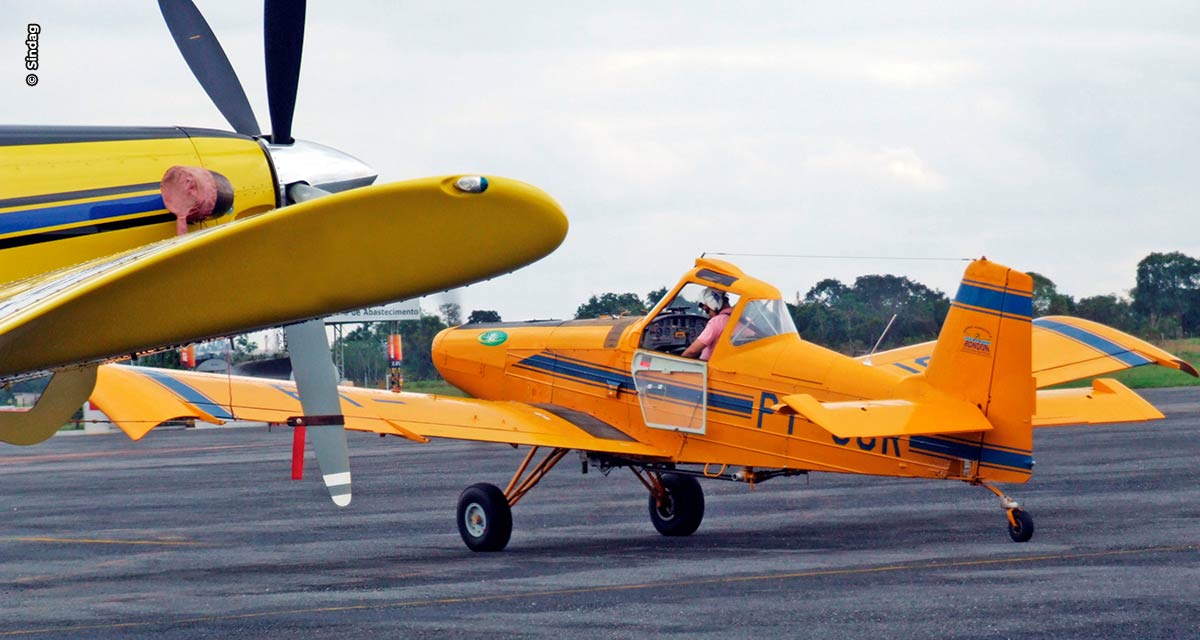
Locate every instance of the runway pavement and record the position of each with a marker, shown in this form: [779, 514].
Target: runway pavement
[199, 534]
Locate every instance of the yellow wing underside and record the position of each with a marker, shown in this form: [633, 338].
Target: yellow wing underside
[137, 399]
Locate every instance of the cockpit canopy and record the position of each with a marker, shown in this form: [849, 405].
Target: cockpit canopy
[761, 319]
[758, 309]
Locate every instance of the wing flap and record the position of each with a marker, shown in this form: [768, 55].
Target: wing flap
[1106, 401]
[137, 399]
[879, 418]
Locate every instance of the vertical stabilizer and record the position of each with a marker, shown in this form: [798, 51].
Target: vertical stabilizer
[984, 356]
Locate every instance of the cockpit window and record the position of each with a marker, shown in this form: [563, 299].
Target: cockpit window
[762, 319]
[688, 300]
[680, 322]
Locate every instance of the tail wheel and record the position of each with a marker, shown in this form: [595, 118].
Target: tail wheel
[681, 508]
[484, 517]
[1020, 525]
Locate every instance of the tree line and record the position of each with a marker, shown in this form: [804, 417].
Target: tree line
[850, 318]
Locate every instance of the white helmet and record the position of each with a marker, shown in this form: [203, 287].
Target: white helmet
[713, 299]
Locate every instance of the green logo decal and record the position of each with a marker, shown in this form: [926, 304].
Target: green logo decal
[492, 338]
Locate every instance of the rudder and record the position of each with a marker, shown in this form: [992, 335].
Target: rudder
[984, 355]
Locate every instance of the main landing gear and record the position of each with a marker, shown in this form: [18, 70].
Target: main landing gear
[1020, 523]
[485, 512]
[484, 517]
[676, 502]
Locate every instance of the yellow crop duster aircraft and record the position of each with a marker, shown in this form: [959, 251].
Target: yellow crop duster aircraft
[115, 240]
[764, 404]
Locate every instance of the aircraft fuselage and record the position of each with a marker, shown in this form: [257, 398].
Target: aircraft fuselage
[71, 194]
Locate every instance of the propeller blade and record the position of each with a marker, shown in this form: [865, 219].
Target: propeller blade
[209, 64]
[316, 382]
[283, 38]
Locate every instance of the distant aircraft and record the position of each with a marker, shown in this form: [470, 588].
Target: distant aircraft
[765, 404]
[268, 230]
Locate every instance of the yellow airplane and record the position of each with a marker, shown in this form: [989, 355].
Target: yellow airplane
[117, 240]
[764, 404]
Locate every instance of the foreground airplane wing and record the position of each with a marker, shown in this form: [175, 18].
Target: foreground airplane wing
[137, 399]
[344, 251]
[1064, 349]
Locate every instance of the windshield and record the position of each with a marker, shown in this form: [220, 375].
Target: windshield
[762, 319]
[688, 300]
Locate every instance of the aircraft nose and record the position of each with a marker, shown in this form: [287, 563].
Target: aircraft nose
[473, 357]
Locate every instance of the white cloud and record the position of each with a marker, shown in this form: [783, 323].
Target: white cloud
[899, 166]
[848, 62]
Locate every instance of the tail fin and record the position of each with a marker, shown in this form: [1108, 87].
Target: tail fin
[984, 356]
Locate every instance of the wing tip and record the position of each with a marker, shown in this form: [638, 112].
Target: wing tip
[1187, 368]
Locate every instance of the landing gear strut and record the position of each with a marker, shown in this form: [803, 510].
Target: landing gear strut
[1020, 523]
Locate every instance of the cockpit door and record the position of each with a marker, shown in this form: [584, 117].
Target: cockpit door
[672, 391]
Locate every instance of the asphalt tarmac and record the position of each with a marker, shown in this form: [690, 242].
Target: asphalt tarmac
[200, 534]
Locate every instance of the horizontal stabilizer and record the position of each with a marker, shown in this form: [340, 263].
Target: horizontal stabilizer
[1105, 402]
[879, 418]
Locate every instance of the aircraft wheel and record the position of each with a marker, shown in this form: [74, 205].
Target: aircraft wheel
[682, 508]
[484, 517]
[1022, 531]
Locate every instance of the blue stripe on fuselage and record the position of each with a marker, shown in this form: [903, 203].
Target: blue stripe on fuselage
[575, 369]
[984, 454]
[36, 219]
[187, 392]
[591, 374]
[1097, 342]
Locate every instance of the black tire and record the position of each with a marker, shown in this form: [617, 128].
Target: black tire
[682, 509]
[484, 517]
[1024, 529]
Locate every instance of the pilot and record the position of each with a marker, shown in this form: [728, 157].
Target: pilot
[716, 305]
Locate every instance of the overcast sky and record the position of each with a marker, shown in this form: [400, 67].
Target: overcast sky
[1054, 137]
